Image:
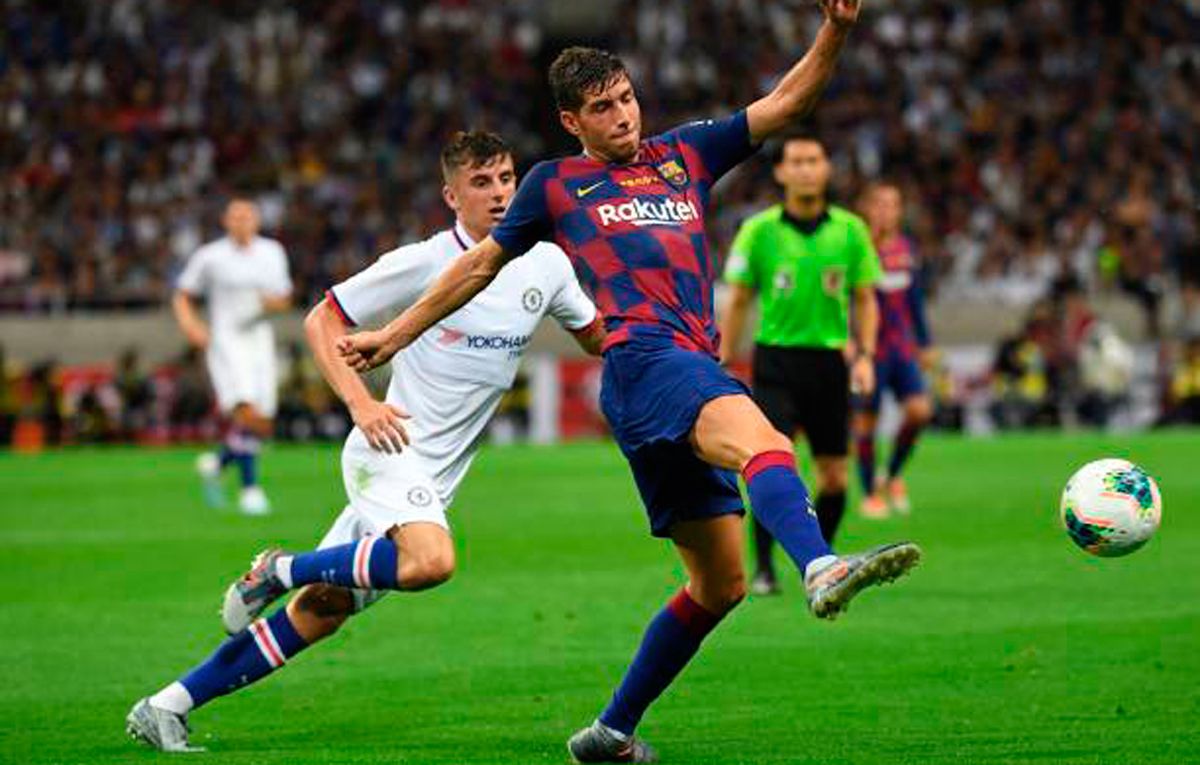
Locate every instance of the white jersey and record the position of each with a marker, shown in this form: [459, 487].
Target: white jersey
[234, 280]
[452, 378]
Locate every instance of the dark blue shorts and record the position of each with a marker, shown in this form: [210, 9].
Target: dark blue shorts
[899, 375]
[651, 394]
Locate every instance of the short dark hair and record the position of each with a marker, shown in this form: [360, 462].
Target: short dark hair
[472, 148]
[579, 71]
[798, 133]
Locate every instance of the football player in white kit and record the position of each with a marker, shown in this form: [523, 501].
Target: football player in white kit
[406, 455]
[243, 277]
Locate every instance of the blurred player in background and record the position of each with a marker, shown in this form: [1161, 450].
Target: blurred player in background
[407, 455]
[243, 277]
[630, 214]
[806, 260]
[902, 350]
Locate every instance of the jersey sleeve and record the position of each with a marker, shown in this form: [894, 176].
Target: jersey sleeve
[916, 307]
[528, 220]
[194, 277]
[387, 286]
[720, 144]
[279, 281]
[865, 268]
[569, 306]
[739, 267]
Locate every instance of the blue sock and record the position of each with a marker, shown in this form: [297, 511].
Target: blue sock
[670, 642]
[906, 439]
[369, 563]
[247, 463]
[225, 456]
[780, 501]
[247, 657]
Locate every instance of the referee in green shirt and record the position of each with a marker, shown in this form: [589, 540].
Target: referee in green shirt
[806, 260]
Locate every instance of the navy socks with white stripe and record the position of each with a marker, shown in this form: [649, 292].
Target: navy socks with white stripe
[242, 659]
[368, 564]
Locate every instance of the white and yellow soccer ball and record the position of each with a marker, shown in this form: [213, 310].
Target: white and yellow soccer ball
[1111, 507]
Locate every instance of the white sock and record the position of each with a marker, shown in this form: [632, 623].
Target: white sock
[817, 564]
[618, 735]
[174, 698]
[283, 570]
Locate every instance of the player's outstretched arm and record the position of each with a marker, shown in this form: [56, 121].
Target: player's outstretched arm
[798, 91]
[466, 277]
[380, 422]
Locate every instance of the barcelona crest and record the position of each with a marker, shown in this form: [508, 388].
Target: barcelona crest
[673, 173]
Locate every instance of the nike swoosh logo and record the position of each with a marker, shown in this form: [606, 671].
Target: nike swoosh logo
[583, 192]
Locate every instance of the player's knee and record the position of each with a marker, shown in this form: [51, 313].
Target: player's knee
[919, 410]
[833, 477]
[427, 568]
[722, 595]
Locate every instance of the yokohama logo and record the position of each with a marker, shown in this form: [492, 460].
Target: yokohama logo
[642, 212]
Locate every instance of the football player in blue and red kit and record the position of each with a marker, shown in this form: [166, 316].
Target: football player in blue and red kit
[630, 214]
[902, 349]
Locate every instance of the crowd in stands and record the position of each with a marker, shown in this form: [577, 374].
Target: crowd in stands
[1034, 139]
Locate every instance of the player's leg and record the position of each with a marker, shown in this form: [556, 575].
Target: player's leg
[315, 613]
[832, 480]
[825, 417]
[918, 411]
[774, 397]
[711, 549]
[865, 420]
[731, 432]
[404, 544]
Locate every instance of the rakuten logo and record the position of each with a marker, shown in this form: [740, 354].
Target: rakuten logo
[648, 212]
[497, 342]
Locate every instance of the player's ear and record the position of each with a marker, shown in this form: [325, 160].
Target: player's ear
[449, 197]
[777, 173]
[570, 122]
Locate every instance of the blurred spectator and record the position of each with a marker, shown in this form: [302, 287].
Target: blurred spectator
[9, 403]
[1021, 375]
[135, 394]
[43, 403]
[192, 402]
[1183, 404]
[1018, 129]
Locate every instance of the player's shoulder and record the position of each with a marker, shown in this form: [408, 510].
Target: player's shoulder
[547, 257]
[761, 220]
[428, 250]
[267, 244]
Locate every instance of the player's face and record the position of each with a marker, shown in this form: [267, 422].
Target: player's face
[241, 220]
[884, 209]
[479, 194]
[804, 169]
[609, 124]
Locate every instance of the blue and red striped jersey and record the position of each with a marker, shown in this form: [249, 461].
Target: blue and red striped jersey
[902, 325]
[635, 231]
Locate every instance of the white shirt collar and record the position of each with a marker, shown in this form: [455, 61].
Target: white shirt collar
[462, 237]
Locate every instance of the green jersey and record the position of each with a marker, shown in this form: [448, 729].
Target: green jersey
[803, 275]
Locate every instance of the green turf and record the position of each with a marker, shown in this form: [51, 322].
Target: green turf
[1007, 645]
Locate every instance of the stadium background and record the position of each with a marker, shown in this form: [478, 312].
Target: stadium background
[1035, 141]
[1040, 144]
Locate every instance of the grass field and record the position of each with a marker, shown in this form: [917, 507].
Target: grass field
[1007, 645]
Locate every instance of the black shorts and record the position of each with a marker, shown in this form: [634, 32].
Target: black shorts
[805, 389]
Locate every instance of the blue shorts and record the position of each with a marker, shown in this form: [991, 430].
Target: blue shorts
[651, 395]
[899, 375]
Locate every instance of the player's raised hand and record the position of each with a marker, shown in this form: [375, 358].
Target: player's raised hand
[842, 13]
[363, 351]
[382, 424]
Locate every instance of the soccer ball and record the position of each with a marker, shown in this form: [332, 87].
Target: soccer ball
[1111, 507]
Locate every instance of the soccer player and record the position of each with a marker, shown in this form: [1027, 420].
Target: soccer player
[806, 260]
[407, 455]
[243, 277]
[902, 349]
[629, 213]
